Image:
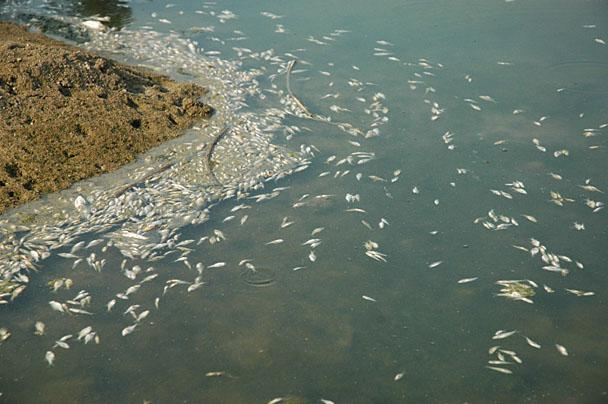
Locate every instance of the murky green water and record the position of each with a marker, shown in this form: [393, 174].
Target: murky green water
[345, 327]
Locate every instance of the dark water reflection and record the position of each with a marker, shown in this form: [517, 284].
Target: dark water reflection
[118, 10]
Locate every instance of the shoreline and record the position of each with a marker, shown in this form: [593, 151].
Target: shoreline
[69, 114]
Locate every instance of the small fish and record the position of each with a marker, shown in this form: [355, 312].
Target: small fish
[40, 327]
[590, 188]
[503, 334]
[487, 98]
[317, 231]
[216, 374]
[493, 349]
[67, 255]
[286, 222]
[312, 256]
[85, 331]
[561, 349]
[467, 280]
[555, 176]
[358, 210]
[399, 376]
[531, 218]
[57, 306]
[61, 344]
[276, 241]
[142, 315]
[532, 343]
[435, 264]
[371, 299]
[500, 370]
[80, 311]
[128, 330]
[49, 357]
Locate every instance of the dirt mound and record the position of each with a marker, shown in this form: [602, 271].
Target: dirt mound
[67, 114]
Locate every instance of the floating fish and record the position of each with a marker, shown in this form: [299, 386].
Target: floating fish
[500, 370]
[49, 357]
[467, 280]
[532, 343]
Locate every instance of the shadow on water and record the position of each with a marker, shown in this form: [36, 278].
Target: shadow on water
[118, 11]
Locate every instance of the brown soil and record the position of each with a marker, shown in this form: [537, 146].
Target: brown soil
[67, 114]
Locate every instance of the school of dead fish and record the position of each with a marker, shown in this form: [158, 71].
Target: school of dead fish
[155, 235]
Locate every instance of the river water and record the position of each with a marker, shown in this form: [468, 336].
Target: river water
[475, 153]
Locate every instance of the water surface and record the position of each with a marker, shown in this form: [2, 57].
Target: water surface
[344, 327]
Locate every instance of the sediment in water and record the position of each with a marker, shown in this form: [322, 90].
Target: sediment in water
[67, 114]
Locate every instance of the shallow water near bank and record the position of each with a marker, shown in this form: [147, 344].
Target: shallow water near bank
[460, 99]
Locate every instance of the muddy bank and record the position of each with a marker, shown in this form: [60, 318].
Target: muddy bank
[67, 114]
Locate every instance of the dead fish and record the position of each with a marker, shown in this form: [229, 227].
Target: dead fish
[49, 357]
[561, 349]
[532, 343]
[371, 299]
[128, 330]
[216, 374]
[61, 344]
[276, 241]
[85, 331]
[58, 306]
[312, 256]
[467, 280]
[376, 255]
[317, 231]
[143, 315]
[40, 327]
[435, 264]
[217, 265]
[579, 293]
[531, 218]
[590, 188]
[500, 370]
[80, 311]
[501, 334]
[286, 222]
[487, 98]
